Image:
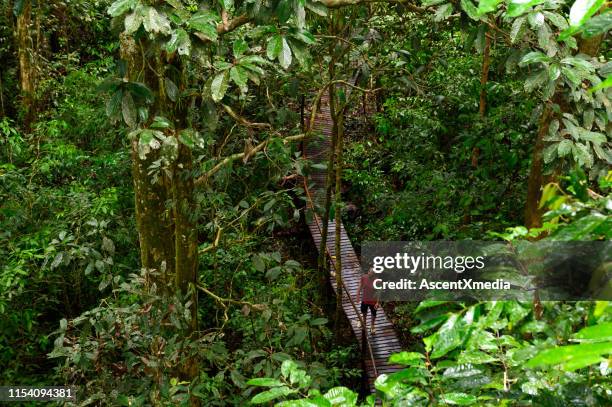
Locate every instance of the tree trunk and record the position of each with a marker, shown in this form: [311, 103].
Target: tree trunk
[484, 78]
[339, 121]
[26, 65]
[533, 214]
[185, 233]
[154, 221]
[165, 208]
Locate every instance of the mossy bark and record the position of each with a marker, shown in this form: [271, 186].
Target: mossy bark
[26, 63]
[165, 208]
[339, 124]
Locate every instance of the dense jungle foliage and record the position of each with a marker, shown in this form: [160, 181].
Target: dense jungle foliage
[153, 239]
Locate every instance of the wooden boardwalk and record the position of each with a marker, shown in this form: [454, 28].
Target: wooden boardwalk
[380, 346]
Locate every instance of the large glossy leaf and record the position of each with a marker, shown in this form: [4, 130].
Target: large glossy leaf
[239, 76]
[450, 335]
[275, 47]
[341, 396]
[156, 23]
[121, 6]
[582, 10]
[113, 105]
[204, 25]
[128, 109]
[219, 86]
[179, 42]
[459, 399]
[443, 12]
[518, 7]
[518, 29]
[316, 7]
[265, 382]
[534, 57]
[285, 55]
[595, 333]
[171, 89]
[407, 358]
[598, 25]
[486, 6]
[272, 394]
[605, 84]
[572, 357]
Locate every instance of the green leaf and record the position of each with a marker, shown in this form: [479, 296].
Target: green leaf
[450, 335]
[571, 76]
[571, 357]
[275, 46]
[228, 4]
[134, 20]
[406, 358]
[179, 42]
[285, 55]
[605, 84]
[443, 12]
[239, 47]
[316, 7]
[578, 63]
[536, 80]
[156, 23]
[554, 71]
[598, 25]
[557, 19]
[160, 122]
[121, 6]
[304, 36]
[299, 51]
[288, 366]
[240, 77]
[176, 4]
[272, 394]
[595, 333]
[128, 109]
[518, 29]
[265, 382]
[219, 86]
[564, 148]
[423, 305]
[258, 263]
[486, 6]
[582, 10]
[460, 399]
[341, 396]
[171, 89]
[518, 7]
[191, 138]
[533, 57]
[204, 23]
[113, 105]
[318, 321]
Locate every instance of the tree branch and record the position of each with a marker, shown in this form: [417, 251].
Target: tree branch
[229, 159]
[226, 25]
[344, 3]
[241, 120]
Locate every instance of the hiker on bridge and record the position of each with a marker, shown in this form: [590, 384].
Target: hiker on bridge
[369, 300]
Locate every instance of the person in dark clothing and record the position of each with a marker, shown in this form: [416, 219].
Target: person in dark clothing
[368, 300]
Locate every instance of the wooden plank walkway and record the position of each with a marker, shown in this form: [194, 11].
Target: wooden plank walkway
[385, 341]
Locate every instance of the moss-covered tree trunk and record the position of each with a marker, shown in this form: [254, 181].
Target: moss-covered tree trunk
[165, 209]
[339, 124]
[25, 51]
[533, 213]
